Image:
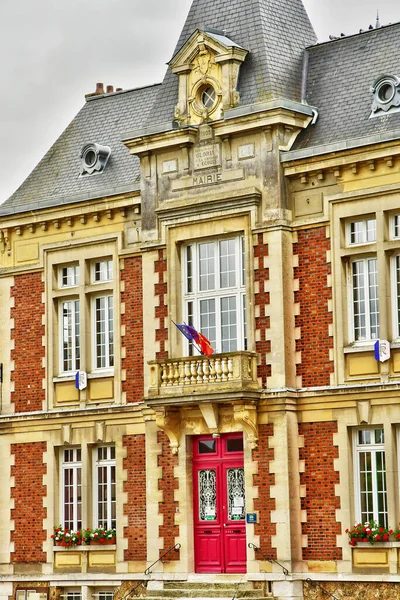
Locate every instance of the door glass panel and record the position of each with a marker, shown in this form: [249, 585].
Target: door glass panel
[207, 495]
[207, 447]
[235, 445]
[235, 487]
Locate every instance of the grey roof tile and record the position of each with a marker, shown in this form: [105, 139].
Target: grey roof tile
[101, 120]
[340, 75]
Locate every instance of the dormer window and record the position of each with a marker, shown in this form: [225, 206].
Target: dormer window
[386, 94]
[94, 158]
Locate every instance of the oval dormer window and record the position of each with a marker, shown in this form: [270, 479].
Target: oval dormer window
[94, 158]
[386, 95]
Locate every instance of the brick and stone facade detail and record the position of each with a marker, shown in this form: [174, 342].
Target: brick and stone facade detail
[132, 329]
[168, 508]
[263, 455]
[27, 473]
[313, 298]
[27, 335]
[161, 311]
[261, 301]
[319, 502]
[134, 465]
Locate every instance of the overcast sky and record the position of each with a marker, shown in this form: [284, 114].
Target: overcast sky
[53, 52]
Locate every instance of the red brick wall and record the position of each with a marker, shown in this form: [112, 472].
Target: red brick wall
[314, 318]
[135, 488]
[132, 296]
[28, 493]
[160, 291]
[261, 300]
[263, 455]
[27, 334]
[168, 484]
[320, 501]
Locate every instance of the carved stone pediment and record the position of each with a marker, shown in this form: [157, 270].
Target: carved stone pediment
[208, 70]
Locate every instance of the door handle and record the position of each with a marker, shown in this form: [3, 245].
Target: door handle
[207, 531]
[237, 531]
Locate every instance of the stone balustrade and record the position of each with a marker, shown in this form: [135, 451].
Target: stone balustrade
[236, 370]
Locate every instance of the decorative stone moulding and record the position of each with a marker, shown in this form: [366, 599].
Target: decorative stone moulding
[379, 556]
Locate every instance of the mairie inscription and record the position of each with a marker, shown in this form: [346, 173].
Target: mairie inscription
[204, 179]
[206, 156]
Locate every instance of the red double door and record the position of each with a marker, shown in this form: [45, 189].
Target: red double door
[219, 504]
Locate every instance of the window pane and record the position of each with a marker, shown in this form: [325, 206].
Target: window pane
[103, 271]
[104, 327]
[70, 322]
[208, 320]
[373, 298]
[207, 447]
[206, 266]
[359, 301]
[227, 263]
[235, 445]
[228, 324]
[189, 270]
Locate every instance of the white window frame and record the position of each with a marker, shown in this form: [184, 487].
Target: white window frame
[364, 223]
[106, 270]
[109, 358]
[352, 330]
[238, 291]
[108, 463]
[75, 276]
[74, 466]
[392, 228]
[394, 273]
[373, 448]
[74, 359]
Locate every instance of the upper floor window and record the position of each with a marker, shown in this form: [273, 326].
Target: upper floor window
[105, 487]
[362, 231]
[365, 300]
[100, 494]
[69, 276]
[215, 291]
[71, 488]
[85, 313]
[370, 476]
[102, 271]
[395, 226]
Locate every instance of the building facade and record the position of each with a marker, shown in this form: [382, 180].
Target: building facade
[253, 194]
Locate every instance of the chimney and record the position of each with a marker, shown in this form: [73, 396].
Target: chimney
[99, 91]
[110, 89]
[118, 89]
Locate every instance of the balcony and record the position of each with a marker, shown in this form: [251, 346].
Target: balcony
[232, 372]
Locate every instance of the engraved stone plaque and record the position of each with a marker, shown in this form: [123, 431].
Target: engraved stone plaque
[207, 155]
[170, 166]
[246, 151]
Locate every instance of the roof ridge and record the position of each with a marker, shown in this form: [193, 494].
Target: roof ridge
[90, 98]
[352, 35]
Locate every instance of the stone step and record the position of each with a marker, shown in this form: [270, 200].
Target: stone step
[210, 596]
[244, 585]
[204, 592]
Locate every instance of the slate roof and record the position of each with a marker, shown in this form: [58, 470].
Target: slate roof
[55, 180]
[275, 32]
[340, 75]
